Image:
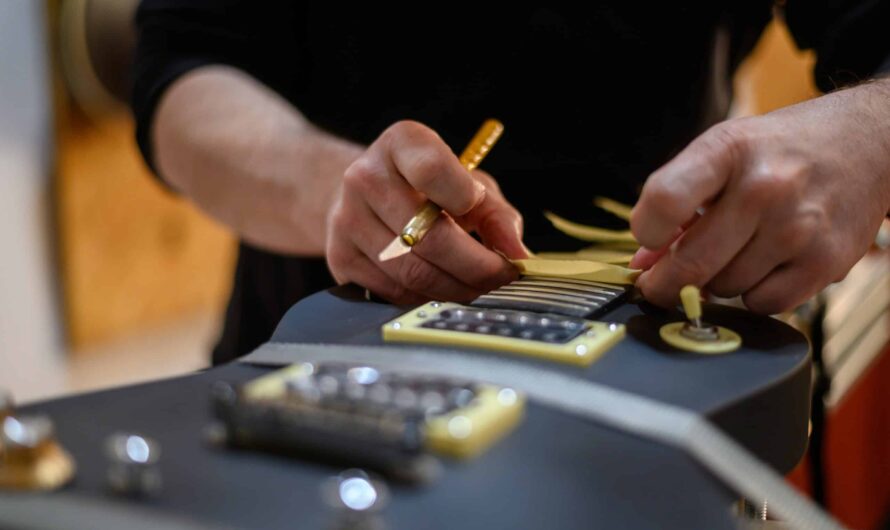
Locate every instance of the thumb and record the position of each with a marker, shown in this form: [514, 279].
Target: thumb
[645, 258]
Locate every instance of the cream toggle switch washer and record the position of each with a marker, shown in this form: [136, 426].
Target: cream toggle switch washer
[696, 335]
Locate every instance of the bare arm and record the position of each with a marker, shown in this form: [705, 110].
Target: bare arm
[250, 159]
[793, 200]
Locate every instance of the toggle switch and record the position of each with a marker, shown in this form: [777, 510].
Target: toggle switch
[695, 335]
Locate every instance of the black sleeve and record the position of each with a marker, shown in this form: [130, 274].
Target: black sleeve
[175, 36]
[851, 38]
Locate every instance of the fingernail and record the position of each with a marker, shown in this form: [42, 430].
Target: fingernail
[528, 252]
[479, 190]
[633, 261]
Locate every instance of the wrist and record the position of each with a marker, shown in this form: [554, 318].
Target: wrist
[319, 160]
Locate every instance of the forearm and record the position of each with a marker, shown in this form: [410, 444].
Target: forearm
[249, 159]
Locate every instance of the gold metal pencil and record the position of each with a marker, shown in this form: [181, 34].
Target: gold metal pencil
[423, 220]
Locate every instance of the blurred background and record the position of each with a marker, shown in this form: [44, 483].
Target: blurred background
[107, 279]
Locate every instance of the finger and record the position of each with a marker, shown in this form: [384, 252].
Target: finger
[421, 156]
[759, 257]
[447, 245]
[411, 271]
[645, 258]
[788, 286]
[498, 223]
[365, 273]
[703, 250]
[500, 226]
[456, 252]
[693, 178]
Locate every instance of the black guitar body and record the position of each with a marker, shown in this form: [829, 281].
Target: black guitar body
[554, 471]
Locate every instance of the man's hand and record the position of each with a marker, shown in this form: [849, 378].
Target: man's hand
[792, 199]
[385, 187]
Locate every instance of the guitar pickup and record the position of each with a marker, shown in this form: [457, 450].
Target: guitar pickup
[539, 316]
[360, 415]
[549, 336]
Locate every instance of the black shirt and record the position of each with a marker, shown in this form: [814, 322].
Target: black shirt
[593, 98]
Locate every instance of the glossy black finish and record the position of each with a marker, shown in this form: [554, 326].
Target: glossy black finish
[758, 394]
[554, 471]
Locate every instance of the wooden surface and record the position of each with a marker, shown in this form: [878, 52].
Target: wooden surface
[132, 256]
[776, 74]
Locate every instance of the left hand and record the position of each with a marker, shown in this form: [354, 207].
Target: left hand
[792, 200]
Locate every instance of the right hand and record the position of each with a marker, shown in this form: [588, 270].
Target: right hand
[385, 186]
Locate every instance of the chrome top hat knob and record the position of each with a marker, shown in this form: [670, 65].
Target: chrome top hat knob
[132, 466]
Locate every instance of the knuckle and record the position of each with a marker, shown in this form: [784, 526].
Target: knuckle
[359, 174]
[801, 232]
[412, 129]
[416, 275]
[487, 180]
[662, 198]
[339, 260]
[341, 219]
[660, 193]
[729, 137]
[427, 167]
[335, 222]
[775, 182]
[813, 221]
[757, 190]
[791, 177]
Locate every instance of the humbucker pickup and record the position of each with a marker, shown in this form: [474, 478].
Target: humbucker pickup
[381, 419]
[542, 317]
